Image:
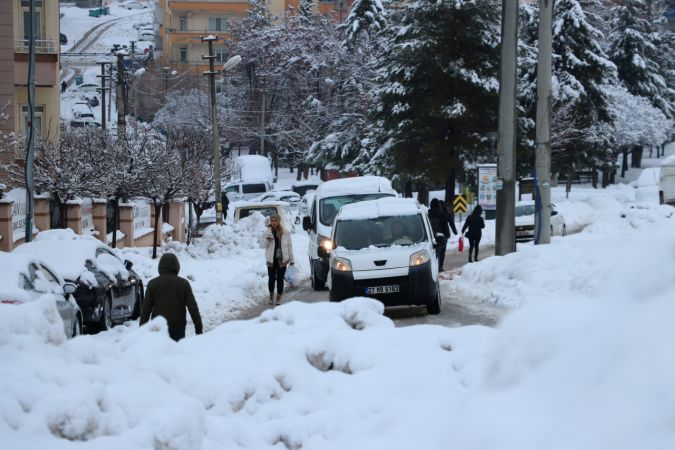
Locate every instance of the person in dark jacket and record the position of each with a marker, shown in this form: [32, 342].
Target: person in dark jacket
[451, 217]
[439, 224]
[474, 222]
[168, 295]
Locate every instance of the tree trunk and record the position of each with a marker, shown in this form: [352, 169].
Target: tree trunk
[189, 233]
[301, 169]
[624, 163]
[450, 184]
[605, 177]
[158, 211]
[116, 214]
[305, 171]
[651, 149]
[63, 215]
[638, 163]
[423, 193]
[594, 177]
[407, 189]
[568, 185]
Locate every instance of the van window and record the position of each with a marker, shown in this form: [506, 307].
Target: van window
[233, 188]
[329, 207]
[380, 232]
[245, 212]
[257, 188]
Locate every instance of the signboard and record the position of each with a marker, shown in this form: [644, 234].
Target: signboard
[87, 215]
[487, 192]
[142, 218]
[18, 213]
[459, 204]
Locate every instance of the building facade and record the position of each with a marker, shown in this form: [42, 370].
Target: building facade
[14, 34]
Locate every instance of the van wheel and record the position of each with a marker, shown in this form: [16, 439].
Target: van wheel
[317, 284]
[435, 307]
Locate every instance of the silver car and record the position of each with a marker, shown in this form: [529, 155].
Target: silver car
[25, 279]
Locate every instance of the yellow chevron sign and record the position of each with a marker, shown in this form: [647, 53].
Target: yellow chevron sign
[459, 205]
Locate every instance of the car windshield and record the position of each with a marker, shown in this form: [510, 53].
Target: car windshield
[257, 188]
[302, 189]
[265, 211]
[329, 207]
[524, 210]
[380, 232]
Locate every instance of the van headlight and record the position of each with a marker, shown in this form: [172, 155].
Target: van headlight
[419, 258]
[341, 264]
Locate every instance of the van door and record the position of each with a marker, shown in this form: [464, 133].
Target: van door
[313, 250]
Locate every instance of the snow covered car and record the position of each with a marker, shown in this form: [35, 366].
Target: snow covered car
[328, 200]
[647, 185]
[24, 279]
[82, 110]
[83, 123]
[108, 291]
[385, 249]
[303, 187]
[289, 197]
[525, 212]
[88, 87]
[305, 203]
[133, 5]
[241, 210]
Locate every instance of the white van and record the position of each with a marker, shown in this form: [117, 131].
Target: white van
[329, 198]
[251, 177]
[667, 181]
[246, 190]
[385, 249]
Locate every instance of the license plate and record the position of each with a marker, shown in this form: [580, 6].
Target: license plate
[383, 289]
[523, 233]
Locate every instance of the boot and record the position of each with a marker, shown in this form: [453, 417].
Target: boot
[470, 260]
[271, 300]
[278, 299]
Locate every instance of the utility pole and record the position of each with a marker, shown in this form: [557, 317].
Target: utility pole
[506, 144]
[110, 91]
[30, 148]
[542, 218]
[214, 126]
[102, 89]
[120, 92]
[262, 125]
[166, 79]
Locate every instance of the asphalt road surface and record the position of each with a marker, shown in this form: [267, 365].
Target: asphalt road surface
[455, 310]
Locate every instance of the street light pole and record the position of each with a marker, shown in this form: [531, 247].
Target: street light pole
[120, 91]
[166, 79]
[30, 148]
[542, 221]
[505, 241]
[214, 126]
[103, 88]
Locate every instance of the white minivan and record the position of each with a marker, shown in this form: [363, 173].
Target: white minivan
[329, 198]
[385, 249]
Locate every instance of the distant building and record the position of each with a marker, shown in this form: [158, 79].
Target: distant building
[183, 22]
[14, 34]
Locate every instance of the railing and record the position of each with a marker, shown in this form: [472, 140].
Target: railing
[48, 46]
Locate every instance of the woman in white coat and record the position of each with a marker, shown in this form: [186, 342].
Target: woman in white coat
[278, 253]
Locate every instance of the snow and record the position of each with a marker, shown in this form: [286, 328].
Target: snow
[69, 253]
[356, 185]
[384, 207]
[670, 160]
[12, 267]
[253, 167]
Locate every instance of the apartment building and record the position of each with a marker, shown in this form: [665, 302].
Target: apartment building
[14, 34]
[184, 22]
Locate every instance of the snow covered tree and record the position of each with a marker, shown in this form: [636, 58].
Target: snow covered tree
[438, 86]
[305, 10]
[365, 16]
[633, 50]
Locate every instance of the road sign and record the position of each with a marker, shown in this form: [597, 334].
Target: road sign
[459, 205]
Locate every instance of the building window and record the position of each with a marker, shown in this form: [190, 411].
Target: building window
[38, 120]
[217, 23]
[221, 54]
[183, 54]
[182, 23]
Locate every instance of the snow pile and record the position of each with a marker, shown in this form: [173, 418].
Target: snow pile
[301, 376]
[29, 324]
[222, 241]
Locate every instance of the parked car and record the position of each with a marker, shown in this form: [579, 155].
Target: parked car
[24, 278]
[647, 185]
[305, 203]
[83, 123]
[303, 187]
[146, 35]
[89, 88]
[142, 25]
[134, 5]
[290, 197]
[329, 198]
[63, 39]
[90, 99]
[243, 209]
[108, 290]
[384, 249]
[246, 190]
[525, 211]
[82, 110]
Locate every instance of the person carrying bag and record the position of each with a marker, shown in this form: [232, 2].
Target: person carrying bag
[278, 255]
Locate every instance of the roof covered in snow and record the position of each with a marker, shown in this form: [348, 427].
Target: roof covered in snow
[253, 167]
[12, 266]
[383, 207]
[355, 185]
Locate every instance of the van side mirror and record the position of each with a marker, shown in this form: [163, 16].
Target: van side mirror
[554, 212]
[307, 223]
[128, 264]
[69, 288]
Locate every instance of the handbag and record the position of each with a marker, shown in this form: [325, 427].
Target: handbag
[460, 244]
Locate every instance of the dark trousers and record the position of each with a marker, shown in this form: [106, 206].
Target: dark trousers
[440, 253]
[276, 275]
[473, 246]
[177, 333]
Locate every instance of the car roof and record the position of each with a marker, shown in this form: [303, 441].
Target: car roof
[382, 207]
[266, 203]
[355, 185]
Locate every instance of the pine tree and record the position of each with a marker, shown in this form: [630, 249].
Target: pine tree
[305, 10]
[581, 70]
[635, 54]
[438, 88]
[365, 16]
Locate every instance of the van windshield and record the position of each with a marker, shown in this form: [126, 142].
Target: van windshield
[329, 207]
[380, 232]
[265, 211]
[257, 188]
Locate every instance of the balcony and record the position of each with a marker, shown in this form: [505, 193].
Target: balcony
[42, 46]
